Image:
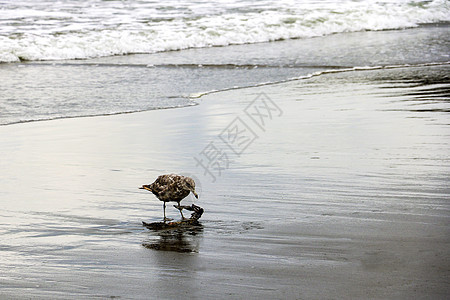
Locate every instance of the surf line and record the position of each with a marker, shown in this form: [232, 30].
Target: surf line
[320, 73]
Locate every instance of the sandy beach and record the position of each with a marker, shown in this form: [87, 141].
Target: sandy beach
[339, 190]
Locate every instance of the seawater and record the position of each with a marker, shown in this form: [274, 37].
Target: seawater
[67, 29]
[45, 90]
[66, 59]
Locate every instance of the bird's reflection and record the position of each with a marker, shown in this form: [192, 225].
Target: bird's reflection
[184, 239]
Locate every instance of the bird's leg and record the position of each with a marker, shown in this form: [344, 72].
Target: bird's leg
[164, 208]
[165, 219]
[181, 211]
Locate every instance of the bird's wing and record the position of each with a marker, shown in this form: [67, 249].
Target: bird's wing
[169, 188]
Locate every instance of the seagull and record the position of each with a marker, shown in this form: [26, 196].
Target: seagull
[171, 187]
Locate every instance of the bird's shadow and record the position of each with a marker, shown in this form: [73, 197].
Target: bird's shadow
[181, 239]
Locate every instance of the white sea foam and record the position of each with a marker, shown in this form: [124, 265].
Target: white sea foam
[94, 28]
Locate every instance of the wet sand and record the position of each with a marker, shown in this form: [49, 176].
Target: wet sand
[341, 194]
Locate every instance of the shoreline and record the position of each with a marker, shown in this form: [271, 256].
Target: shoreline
[199, 95]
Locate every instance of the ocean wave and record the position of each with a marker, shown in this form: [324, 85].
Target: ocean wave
[29, 33]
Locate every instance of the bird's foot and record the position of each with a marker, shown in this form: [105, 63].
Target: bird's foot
[167, 219]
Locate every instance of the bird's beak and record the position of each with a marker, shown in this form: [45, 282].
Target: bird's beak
[145, 187]
[195, 194]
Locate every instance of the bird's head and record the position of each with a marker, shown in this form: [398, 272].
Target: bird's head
[146, 187]
[190, 184]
